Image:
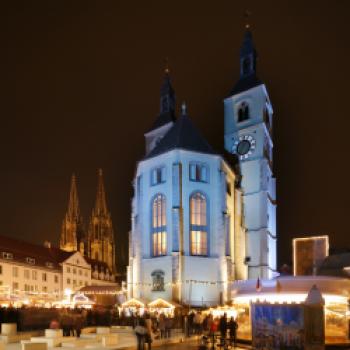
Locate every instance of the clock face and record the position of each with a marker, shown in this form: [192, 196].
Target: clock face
[244, 146]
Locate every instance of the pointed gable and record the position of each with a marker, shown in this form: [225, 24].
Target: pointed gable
[183, 135]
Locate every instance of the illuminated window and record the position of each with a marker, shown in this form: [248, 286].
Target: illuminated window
[159, 225]
[243, 112]
[15, 271]
[198, 172]
[158, 176]
[7, 255]
[15, 286]
[198, 224]
[157, 281]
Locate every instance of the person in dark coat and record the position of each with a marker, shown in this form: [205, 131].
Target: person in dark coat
[232, 326]
[223, 326]
[141, 331]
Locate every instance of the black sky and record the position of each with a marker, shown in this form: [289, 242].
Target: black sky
[80, 85]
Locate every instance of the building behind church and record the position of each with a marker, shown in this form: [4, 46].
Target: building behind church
[201, 219]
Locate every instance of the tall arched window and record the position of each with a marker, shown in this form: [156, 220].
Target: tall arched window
[198, 224]
[159, 225]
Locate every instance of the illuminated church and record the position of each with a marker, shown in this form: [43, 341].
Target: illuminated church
[201, 219]
[97, 242]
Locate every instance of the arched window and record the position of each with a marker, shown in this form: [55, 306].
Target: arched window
[157, 281]
[243, 112]
[159, 225]
[198, 224]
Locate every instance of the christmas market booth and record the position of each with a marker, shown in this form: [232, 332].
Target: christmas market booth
[132, 306]
[104, 295]
[162, 306]
[254, 301]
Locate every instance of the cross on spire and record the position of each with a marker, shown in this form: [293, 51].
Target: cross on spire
[247, 14]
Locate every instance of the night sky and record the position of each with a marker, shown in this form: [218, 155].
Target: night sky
[80, 85]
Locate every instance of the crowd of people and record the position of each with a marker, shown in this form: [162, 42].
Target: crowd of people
[159, 326]
[211, 327]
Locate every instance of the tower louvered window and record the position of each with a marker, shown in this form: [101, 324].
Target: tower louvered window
[243, 112]
[198, 225]
[159, 244]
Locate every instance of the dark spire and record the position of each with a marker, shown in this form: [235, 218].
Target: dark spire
[167, 102]
[247, 57]
[167, 94]
[248, 54]
[100, 204]
[73, 211]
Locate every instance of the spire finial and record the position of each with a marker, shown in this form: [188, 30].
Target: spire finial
[247, 14]
[183, 108]
[166, 65]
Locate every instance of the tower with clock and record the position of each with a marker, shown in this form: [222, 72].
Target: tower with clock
[248, 134]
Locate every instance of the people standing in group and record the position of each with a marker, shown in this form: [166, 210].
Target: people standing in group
[233, 326]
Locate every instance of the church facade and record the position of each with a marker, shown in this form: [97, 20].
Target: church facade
[200, 219]
[96, 243]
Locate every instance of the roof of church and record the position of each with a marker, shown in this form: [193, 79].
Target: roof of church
[162, 119]
[183, 135]
[246, 83]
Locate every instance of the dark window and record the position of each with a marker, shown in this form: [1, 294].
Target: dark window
[243, 112]
[158, 281]
[198, 172]
[158, 176]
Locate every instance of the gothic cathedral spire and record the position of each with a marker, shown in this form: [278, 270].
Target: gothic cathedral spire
[72, 234]
[100, 233]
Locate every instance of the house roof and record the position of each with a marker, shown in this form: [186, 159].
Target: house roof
[49, 257]
[333, 265]
[183, 135]
[246, 83]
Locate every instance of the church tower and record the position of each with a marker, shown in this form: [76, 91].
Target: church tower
[166, 117]
[72, 234]
[248, 134]
[100, 234]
